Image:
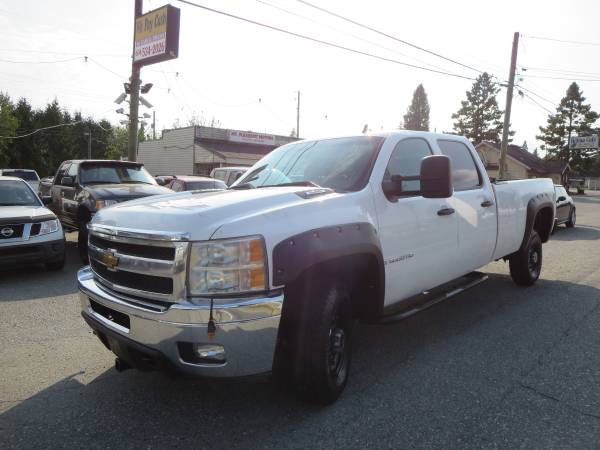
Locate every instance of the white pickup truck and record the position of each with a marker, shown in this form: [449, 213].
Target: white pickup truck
[271, 274]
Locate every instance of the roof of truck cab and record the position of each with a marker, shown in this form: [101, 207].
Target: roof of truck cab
[6, 178]
[80, 161]
[393, 133]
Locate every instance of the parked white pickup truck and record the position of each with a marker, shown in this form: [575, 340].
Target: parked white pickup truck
[270, 274]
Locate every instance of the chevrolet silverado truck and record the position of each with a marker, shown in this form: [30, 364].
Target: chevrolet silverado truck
[82, 187]
[271, 274]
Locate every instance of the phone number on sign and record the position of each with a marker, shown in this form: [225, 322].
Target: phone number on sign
[150, 50]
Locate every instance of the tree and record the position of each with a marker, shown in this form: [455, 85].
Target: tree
[8, 126]
[365, 129]
[293, 132]
[417, 115]
[573, 117]
[524, 146]
[479, 117]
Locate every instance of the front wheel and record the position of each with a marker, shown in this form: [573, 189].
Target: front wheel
[526, 264]
[572, 217]
[323, 359]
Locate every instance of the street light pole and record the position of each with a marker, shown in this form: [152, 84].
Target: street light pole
[135, 94]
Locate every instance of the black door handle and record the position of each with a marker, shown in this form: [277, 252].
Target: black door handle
[487, 203]
[445, 211]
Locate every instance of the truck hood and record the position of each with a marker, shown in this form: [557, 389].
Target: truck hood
[202, 213]
[124, 192]
[24, 214]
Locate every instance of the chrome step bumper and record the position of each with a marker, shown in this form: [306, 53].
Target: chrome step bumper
[246, 329]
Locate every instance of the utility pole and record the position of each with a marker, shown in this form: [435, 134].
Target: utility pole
[134, 99]
[509, 96]
[153, 125]
[298, 117]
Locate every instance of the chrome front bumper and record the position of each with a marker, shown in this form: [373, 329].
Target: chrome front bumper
[246, 327]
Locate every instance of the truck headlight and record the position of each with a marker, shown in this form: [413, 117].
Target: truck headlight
[49, 226]
[104, 203]
[229, 266]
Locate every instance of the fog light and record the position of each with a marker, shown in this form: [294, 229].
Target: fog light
[210, 352]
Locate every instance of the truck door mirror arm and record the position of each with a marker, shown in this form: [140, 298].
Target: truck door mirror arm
[435, 178]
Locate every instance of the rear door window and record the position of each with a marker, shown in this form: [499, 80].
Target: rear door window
[220, 175]
[465, 175]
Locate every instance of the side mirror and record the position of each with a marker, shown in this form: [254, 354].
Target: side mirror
[561, 199]
[67, 181]
[46, 200]
[436, 177]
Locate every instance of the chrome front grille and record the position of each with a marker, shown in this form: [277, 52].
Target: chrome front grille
[142, 265]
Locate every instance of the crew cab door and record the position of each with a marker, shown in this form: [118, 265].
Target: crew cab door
[475, 206]
[419, 236]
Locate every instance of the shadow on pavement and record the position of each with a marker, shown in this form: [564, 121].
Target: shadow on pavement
[578, 233]
[429, 375]
[32, 282]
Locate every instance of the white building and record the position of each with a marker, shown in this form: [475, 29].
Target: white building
[197, 150]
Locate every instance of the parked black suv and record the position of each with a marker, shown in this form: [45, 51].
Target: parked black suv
[82, 187]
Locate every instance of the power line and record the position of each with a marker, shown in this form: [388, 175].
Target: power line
[387, 35]
[42, 129]
[287, 11]
[538, 104]
[121, 77]
[560, 78]
[537, 95]
[560, 71]
[563, 41]
[42, 62]
[327, 43]
[48, 52]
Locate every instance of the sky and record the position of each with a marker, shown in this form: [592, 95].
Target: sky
[247, 77]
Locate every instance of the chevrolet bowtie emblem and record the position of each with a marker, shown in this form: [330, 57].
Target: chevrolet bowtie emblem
[109, 259]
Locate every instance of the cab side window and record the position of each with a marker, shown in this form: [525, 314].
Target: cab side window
[465, 175]
[72, 171]
[60, 173]
[406, 161]
[220, 175]
[176, 186]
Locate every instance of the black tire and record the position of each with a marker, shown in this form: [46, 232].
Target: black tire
[82, 242]
[572, 218]
[323, 344]
[56, 265]
[526, 264]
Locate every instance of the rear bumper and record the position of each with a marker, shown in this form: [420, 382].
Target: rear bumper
[246, 328]
[32, 252]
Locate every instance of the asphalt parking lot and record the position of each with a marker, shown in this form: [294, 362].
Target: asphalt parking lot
[496, 367]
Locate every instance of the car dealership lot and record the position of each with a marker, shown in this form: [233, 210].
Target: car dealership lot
[498, 366]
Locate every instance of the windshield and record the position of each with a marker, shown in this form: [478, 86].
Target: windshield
[341, 164]
[17, 193]
[114, 174]
[28, 175]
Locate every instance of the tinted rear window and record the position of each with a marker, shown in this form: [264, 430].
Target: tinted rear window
[208, 184]
[464, 171]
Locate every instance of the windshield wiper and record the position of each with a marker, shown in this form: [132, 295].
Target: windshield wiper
[307, 183]
[246, 185]
[85, 183]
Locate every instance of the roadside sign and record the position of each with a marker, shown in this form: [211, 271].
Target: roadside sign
[578, 142]
[156, 36]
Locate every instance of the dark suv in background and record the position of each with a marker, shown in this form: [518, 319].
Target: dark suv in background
[82, 187]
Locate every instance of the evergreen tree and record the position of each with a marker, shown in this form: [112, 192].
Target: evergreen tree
[417, 115]
[524, 146]
[8, 126]
[573, 118]
[365, 129]
[479, 118]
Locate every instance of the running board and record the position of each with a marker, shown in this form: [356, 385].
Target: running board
[430, 298]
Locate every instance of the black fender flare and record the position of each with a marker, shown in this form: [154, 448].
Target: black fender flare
[297, 254]
[535, 204]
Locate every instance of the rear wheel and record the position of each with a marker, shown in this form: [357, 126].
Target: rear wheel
[572, 218]
[526, 264]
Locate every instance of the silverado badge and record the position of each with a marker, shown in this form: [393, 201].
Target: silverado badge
[109, 259]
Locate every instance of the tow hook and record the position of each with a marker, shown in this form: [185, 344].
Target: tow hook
[121, 365]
